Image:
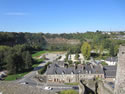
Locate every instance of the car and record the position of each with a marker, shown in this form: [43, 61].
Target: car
[75, 87]
[24, 83]
[48, 88]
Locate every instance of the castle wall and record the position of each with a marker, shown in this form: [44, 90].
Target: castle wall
[120, 74]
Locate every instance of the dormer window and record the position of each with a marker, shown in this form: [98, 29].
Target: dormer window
[123, 52]
[72, 73]
[63, 72]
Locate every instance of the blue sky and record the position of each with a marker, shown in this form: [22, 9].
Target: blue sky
[61, 16]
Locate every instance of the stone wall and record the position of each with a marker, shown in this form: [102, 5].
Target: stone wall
[67, 78]
[70, 78]
[104, 88]
[120, 74]
[94, 87]
[81, 88]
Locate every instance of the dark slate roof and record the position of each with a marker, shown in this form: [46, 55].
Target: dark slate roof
[112, 59]
[60, 63]
[110, 71]
[55, 69]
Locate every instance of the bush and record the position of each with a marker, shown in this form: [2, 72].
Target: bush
[70, 62]
[104, 63]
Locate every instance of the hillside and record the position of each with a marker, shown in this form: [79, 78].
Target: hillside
[62, 41]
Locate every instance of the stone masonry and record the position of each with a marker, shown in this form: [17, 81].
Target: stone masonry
[120, 74]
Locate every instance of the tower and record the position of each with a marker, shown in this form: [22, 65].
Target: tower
[120, 74]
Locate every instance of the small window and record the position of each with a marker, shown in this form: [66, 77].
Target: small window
[123, 52]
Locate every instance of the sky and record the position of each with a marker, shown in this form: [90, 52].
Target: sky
[62, 16]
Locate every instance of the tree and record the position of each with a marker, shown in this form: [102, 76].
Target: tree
[86, 50]
[27, 60]
[11, 63]
[111, 50]
[101, 50]
[116, 50]
[76, 56]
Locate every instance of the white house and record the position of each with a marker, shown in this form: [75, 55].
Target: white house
[111, 60]
[2, 74]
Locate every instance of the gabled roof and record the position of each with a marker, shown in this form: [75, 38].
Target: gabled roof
[83, 69]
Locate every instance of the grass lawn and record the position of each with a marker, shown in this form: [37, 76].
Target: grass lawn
[13, 77]
[38, 61]
[39, 53]
[68, 92]
[71, 83]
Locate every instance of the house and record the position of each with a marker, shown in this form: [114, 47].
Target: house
[110, 73]
[70, 74]
[111, 60]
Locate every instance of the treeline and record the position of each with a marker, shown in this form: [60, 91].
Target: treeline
[33, 40]
[15, 59]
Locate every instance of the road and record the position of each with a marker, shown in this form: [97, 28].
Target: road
[60, 87]
[28, 77]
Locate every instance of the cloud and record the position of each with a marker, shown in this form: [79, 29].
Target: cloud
[15, 13]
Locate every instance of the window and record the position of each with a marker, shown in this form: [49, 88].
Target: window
[123, 52]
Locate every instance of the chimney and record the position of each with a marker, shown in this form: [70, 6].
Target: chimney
[91, 66]
[66, 65]
[84, 68]
[76, 67]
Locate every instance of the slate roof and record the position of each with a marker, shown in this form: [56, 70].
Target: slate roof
[110, 71]
[55, 69]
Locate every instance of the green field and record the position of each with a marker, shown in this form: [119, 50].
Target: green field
[39, 53]
[15, 76]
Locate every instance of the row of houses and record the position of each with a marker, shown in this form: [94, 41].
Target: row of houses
[57, 73]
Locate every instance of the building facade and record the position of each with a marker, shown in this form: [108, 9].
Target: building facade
[57, 74]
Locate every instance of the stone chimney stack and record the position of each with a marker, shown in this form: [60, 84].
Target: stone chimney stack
[120, 74]
[91, 65]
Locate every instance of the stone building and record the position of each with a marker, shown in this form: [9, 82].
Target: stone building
[120, 74]
[70, 74]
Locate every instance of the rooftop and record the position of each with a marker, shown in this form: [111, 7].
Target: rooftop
[80, 69]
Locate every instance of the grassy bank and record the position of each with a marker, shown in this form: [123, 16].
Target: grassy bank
[37, 54]
[68, 92]
[71, 83]
[15, 76]
[42, 70]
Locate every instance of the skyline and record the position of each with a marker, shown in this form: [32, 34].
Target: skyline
[62, 16]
